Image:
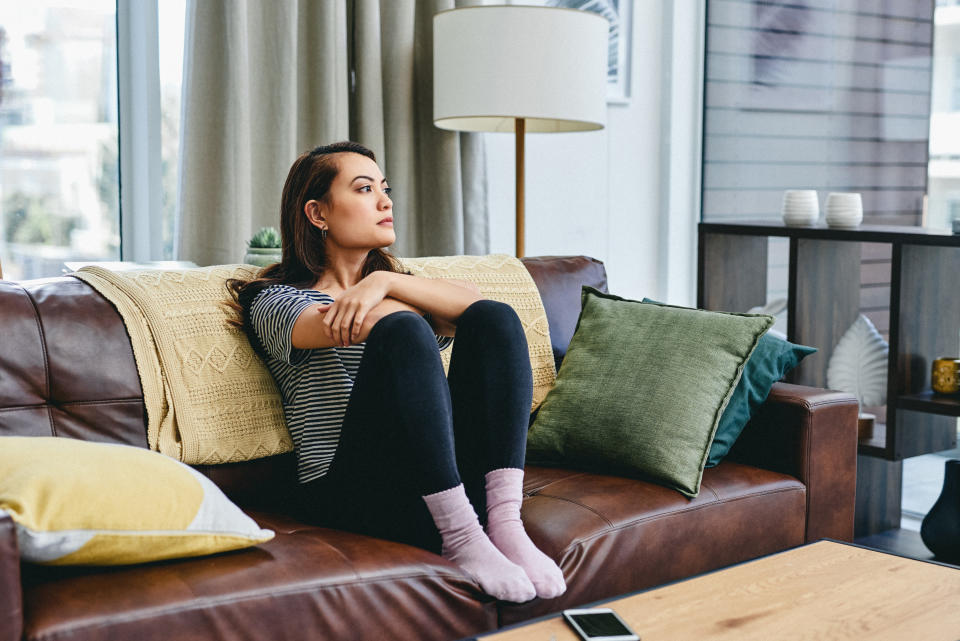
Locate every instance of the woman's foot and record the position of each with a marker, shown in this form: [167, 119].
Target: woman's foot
[466, 545]
[505, 529]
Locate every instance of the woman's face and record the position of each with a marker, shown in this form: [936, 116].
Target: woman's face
[358, 213]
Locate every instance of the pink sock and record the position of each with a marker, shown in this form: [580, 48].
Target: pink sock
[465, 544]
[504, 495]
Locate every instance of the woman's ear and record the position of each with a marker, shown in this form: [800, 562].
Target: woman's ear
[314, 214]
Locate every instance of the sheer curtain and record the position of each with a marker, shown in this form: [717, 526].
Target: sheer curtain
[265, 81]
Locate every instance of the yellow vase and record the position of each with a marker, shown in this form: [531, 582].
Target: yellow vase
[945, 377]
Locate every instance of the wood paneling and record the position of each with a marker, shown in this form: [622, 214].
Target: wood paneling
[832, 95]
[915, 271]
[729, 68]
[825, 286]
[879, 492]
[817, 150]
[826, 177]
[733, 272]
[929, 327]
[817, 46]
[875, 297]
[748, 123]
[879, 317]
[876, 252]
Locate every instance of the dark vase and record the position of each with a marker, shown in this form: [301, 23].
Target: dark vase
[940, 530]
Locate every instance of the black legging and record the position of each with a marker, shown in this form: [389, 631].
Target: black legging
[408, 431]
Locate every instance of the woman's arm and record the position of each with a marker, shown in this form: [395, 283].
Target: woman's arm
[445, 300]
[447, 328]
[310, 332]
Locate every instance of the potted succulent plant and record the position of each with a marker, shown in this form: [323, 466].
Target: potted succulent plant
[263, 248]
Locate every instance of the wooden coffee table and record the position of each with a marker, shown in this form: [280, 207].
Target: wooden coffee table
[824, 590]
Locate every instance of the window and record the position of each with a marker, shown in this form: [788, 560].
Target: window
[60, 178]
[944, 165]
[956, 83]
[832, 95]
[59, 181]
[171, 21]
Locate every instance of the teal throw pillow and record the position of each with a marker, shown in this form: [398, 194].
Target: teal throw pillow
[769, 363]
[642, 389]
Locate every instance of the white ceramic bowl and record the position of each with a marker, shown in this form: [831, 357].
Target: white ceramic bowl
[800, 221]
[800, 207]
[844, 209]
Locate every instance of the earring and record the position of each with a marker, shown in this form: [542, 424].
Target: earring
[323, 234]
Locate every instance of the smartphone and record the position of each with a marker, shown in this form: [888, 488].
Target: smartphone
[599, 624]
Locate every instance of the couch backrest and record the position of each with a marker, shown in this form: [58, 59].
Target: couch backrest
[559, 279]
[67, 368]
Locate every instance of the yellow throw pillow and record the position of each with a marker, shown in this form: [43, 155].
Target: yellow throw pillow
[81, 503]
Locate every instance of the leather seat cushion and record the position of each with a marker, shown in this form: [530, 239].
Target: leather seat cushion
[613, 535]
[308, 582]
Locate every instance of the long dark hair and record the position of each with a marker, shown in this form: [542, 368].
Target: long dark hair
[304, 251]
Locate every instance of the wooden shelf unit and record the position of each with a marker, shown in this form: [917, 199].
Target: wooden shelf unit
[824, 300]
[930, 402]
[876, 445]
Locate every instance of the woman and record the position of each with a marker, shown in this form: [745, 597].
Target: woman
[386, 445]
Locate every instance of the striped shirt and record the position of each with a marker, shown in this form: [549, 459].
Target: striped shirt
[315, 384]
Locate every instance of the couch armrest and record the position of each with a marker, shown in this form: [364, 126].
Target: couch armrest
[809, 433]
[11, 594]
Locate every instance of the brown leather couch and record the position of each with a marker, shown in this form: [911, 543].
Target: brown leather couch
[66, 369]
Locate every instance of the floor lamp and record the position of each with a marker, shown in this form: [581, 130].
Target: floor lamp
[522, 69]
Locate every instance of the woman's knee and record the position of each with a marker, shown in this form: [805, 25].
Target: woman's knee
[399, 327]
[492, 319]
[489, 311]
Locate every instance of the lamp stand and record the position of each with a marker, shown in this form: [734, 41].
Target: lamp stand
[519, 130]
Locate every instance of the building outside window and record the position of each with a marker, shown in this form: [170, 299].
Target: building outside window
[59, 141]
[171, 21]
[943, 181]
[954, 209]
[59, 177]
[956, 82]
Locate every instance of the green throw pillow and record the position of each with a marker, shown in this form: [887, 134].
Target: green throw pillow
[769, 363]
[772, 359]
[642, 388]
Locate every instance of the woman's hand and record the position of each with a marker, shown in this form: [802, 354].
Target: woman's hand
[343, 319]
[381, 309]
[386, 306]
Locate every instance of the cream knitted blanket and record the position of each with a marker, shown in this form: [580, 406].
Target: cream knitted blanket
[209, 397]
[503, 278]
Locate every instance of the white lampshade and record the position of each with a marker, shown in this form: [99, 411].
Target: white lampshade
[492, 64]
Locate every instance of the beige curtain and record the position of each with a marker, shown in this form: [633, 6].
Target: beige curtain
[266, 80]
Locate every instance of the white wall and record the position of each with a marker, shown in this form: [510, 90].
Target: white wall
[607, 193]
